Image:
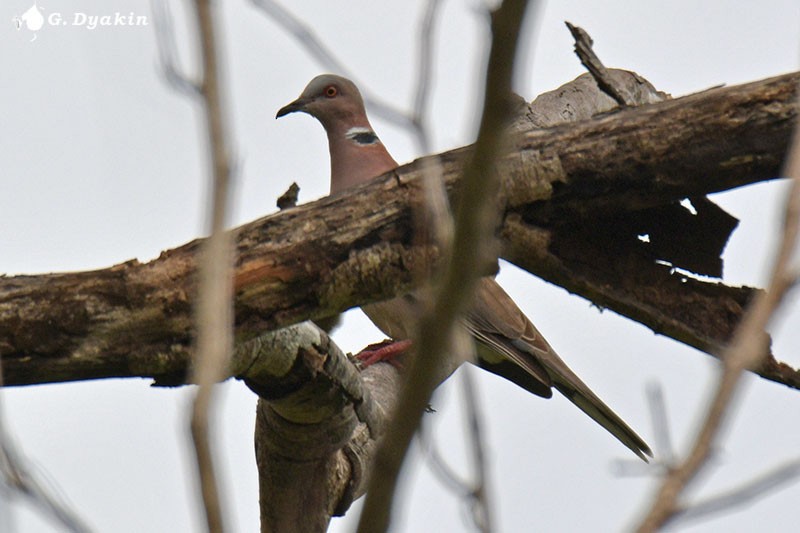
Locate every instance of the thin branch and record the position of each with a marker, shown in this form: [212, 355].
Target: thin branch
[437, 222]
[664, 449]
[424, 74]
[17, 477]
[658, 414]
[481, 510]
[438, 464]
[736, 498]
[164, 27]
[215, 308]
[461, 272]
[433, 220]
[475, 493]
[747, 349]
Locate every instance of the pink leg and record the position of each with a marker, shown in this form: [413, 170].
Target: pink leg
[383, 351]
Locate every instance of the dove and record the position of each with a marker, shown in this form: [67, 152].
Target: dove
[508, 344]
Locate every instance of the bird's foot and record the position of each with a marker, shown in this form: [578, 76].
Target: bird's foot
[387, 351]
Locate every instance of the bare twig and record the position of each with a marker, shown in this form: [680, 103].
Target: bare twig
[736, 498]
[17, 477]
[475, 493]
[473, 232]
[481, 510]
[434, 220]
[664, 450]
[439, 466]
[658, 414]
[164, 28]
[437, 222]
[748, 347]
[214, 309]
[424, 75]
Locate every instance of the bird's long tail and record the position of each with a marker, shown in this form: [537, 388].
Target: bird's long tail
[576, 391]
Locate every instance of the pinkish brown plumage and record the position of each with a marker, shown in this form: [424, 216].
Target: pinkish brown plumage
[508, 344]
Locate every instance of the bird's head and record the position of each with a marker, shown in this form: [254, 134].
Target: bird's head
[357, 155]
[330, 99]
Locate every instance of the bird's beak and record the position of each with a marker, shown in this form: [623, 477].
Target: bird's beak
[297, 105]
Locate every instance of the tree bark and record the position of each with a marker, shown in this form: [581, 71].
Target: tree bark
[575, 199]
[317, 424]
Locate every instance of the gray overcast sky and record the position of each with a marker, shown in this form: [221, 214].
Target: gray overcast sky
[103, 163]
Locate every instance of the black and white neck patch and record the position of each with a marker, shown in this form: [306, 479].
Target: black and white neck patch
[362, 136]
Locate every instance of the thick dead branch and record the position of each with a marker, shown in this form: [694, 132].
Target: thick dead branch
[748, 346]
[316, 426]
[563, 186]
[311, 470]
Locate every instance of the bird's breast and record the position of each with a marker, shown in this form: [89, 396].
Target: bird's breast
[396, 318]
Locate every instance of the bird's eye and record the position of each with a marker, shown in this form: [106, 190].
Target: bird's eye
[331, 91]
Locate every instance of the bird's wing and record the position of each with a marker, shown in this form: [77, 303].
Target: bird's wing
[505, 332]
[494, 320]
